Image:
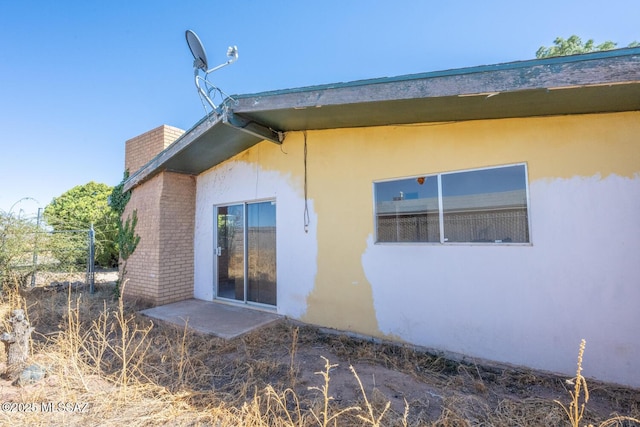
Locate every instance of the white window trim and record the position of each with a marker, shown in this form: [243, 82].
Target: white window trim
[442, 242]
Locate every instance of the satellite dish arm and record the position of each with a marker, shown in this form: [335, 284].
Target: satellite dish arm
[201, 91]
[200, 63]
[232, 53]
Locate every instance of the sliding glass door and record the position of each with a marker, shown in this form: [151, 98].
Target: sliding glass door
[246, 252]
[230, 251]
[261, 252]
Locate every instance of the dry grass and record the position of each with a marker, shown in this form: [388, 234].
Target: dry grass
[580, 396]
[118, 368]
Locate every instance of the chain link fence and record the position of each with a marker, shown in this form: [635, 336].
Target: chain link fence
[32, 255]
[64, 254]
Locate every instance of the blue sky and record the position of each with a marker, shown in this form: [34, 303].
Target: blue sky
[79, 78]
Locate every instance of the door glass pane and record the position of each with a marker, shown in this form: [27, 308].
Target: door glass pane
[230, 224]
[261, 253]
[488, 205]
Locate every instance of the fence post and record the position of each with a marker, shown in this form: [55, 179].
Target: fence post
[91, 261]
[35, 249]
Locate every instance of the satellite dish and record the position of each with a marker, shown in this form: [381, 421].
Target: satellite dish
[197, 50]
[200, 63]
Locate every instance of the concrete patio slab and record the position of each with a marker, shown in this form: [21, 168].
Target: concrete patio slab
[215, 318]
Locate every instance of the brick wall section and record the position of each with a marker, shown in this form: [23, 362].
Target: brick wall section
[141, 149]
[177, 226]
[143, 266]
[160, 270]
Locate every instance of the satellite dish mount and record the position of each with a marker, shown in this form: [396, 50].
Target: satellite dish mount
[206, 89]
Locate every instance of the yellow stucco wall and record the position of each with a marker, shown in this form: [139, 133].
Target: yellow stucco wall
[343, 163]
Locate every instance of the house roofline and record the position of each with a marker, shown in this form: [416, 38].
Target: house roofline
[598, 82]
[504, 66]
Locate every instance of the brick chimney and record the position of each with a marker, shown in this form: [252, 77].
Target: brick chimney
[141, 149]
[160, 271]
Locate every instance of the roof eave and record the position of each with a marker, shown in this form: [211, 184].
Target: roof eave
[579, 84]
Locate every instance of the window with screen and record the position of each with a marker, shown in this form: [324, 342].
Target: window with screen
[475, 206]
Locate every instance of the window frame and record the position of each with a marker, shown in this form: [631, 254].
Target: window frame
[441, 215]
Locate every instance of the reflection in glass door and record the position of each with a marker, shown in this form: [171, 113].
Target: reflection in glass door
[230, 251]
[246, 252]
[261, 252]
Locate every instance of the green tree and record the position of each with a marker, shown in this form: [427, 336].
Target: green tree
[574, 45]
[77, 209]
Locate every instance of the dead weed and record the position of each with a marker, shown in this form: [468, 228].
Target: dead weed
[118, 368]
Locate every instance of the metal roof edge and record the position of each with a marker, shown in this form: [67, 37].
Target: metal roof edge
[159, 160]
[556, 60]
[163, 159]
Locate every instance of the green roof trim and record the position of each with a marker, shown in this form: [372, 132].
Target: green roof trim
[557, 60]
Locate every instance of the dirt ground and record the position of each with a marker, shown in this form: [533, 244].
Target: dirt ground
[289, 355]
[431, 384]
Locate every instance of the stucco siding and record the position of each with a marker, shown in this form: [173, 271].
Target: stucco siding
[526, 304]
[238, 181]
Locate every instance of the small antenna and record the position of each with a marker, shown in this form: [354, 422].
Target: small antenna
[200, 63]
